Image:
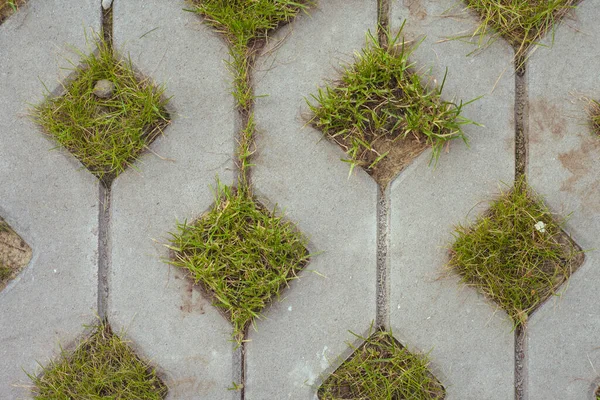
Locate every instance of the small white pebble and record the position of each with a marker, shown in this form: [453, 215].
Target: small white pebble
[54, 271]
[290, 308]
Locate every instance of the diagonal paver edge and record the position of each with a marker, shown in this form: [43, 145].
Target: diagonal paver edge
[47, 196]
[470, 341]
[298, 342]
[167, 318]
[563, 336]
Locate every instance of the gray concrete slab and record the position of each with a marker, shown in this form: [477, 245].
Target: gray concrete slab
[45, 195]
[166, 317]
[298, 342]
[563, 345]
[471, 343]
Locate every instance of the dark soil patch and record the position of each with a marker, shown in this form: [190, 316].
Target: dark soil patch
[8, 7]
[14, 254]
[401, 152]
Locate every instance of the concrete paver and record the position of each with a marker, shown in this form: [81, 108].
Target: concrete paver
[46, 196]
[166, 317]
[471, 342]
[298, 342]
[563, 344]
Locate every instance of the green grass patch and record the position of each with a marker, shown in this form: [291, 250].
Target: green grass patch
[103, 366]
[382, 369]
[240, 253]
[105, 134]
[521, 22]
[516, 253]
[245, 23]
[379, 100]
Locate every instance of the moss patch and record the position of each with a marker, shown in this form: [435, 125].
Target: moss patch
[516, 253]
[382, 369]
[240, 253]
[521, 23]
[15, 254]
[381, 112]
[102, 367]
[106, 132]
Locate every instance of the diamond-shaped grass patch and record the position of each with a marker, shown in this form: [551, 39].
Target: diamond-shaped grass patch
[107, 115]
[383, 114]
[516, 253]
[102, 366]
[240, 253]
[521, 23]
[14, 254]
[381, 368]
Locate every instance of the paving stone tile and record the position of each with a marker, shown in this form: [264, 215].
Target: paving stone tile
[563, 343]
[471, 341]
[296, 346]
[45, 195]
[167, 318]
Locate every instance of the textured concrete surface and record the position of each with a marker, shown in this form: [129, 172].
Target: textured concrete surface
[301, 173]
[563, 342]
[45, 195]
[53, 203]
[471, 343]
[166, 317]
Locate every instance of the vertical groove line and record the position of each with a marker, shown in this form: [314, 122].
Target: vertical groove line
[383, 21]
[104, 199]
[383, 201]
[382, 307]
[521, 158]
[103, 249]
[521, 116]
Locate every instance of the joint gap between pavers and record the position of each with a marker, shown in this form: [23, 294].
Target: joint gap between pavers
[383, 21]
[521, 116]
[383, 284]
[520, 362]
[239, 371]
[106, 10]
[104, 199]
